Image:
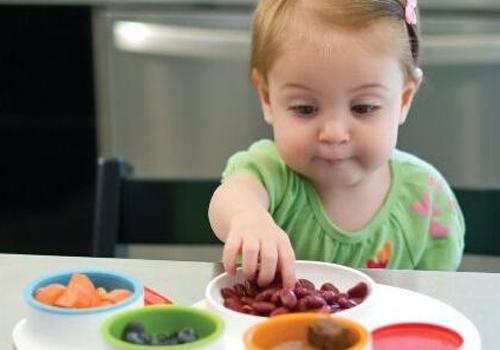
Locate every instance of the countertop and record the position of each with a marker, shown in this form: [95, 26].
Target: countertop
[476, 295]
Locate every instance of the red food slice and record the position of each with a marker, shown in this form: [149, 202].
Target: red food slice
[152, 297]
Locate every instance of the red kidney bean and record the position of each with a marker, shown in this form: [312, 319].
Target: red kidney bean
[315, 301]
[304, 283]
[342, 295]
[263, 308]
[311, 302]
[247, 300]
[265, 295]
[228, 293]
[330, 296]
[301, 292]
[329, 286]
[247, 309]
[360, 290]
[302, 305]
[279, 311]
[288, 298]
[318, 293]
[273, 300]
[356, 301]
[251, 289]
[335, 308]
[233, 304]
[351, 303]
[324, 309]
[240, 289]
[345, 303]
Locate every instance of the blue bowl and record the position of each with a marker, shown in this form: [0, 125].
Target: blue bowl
[107, 279]
[58, 328]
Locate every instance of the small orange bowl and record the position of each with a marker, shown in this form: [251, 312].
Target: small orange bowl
[293, 327]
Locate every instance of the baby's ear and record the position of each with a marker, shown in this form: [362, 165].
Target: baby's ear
[262, 89]
[418, 76]
[409, 90]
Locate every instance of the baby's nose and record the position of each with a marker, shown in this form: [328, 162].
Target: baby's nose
[334, 131]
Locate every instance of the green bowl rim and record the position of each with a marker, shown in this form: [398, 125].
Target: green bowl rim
[106, 334]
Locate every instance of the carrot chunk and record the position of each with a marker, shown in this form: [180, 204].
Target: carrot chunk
[49, 294]
[79, 293]
[83, 282]
[97, 297]
[117, 295]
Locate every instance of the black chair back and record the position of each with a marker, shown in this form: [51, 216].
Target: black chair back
[482, 220]
[154, 211]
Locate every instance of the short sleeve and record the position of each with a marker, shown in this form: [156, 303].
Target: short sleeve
[262, 161]
[432, 223]
[444, 243]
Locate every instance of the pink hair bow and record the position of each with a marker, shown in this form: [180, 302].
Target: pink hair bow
[410, 12]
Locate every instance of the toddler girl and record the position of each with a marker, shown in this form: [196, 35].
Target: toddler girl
[335, 79]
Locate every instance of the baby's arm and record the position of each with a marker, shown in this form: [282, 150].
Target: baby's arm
[239, 216]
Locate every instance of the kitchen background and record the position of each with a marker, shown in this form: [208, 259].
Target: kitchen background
[164, 84]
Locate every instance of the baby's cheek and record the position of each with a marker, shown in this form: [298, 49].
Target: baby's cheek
[297, 149]
[378, 148]
[292, 151]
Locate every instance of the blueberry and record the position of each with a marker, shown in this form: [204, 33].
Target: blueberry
[162, 339]
[133, 326]
[137, 338]
[135, 333]
[159, 339]
[173, 341]
[187, 335]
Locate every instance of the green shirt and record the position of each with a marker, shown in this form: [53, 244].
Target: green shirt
[419, 226]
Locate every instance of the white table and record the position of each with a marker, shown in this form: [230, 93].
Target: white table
[476, 295]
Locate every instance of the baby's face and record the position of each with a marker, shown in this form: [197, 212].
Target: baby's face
[335, 110]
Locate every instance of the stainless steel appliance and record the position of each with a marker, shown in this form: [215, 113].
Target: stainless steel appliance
[175, 98]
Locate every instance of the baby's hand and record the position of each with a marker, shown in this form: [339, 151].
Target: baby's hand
[259, 239]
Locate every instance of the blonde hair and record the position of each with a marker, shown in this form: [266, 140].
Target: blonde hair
[274, 21]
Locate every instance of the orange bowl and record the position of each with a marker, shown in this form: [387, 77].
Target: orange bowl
[293, 327]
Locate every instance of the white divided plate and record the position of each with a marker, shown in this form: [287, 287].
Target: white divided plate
[23, 340]
[394, 305]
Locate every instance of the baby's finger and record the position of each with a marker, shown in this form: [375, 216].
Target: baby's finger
[286, 262]
[250, 256]
[230, 253]
[268, 261]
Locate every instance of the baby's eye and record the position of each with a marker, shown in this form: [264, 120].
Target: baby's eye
[364, 109]
[304, 110]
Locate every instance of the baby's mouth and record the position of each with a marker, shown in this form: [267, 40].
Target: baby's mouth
[333, 160]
